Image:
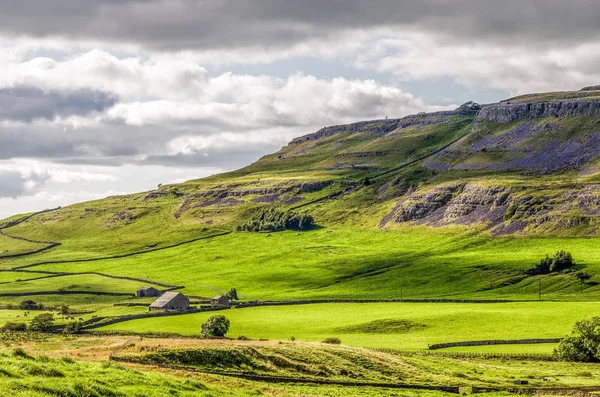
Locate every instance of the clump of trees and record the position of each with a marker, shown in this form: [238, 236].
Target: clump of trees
[274, 220]
[40, 323]
[561, 261]
[30, 305]
[215, 327]
[469, 108]
[333, 341]
[583, 345]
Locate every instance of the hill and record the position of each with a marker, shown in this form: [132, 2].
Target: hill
[448, 204]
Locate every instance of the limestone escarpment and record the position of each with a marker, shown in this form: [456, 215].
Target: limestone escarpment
[379, 127]
[507, 112]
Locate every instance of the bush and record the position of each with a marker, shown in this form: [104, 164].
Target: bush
[215, 327]
[42, 322]
[74, 327]
[562, 260]
[30, 305]
[13, 327]
[274, 220]
[333, 341]
[232, 294]
[583, 345]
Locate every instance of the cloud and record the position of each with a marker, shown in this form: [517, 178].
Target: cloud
[25, 103]
[208, 24]
[159, 103]
[14, 184]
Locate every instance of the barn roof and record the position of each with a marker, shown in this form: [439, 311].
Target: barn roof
[165, 299]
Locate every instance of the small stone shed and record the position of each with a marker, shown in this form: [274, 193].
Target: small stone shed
[220, 300]
[171, 301]
[147, 291]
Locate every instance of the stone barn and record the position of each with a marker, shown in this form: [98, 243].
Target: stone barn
[220, 300]
[171, 301]
[147, 291]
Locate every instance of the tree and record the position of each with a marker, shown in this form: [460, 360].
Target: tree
[273, 220]
[42, 322]
[562, 260]
[583, 344]
[215, 327]
[232, 294]
[582, 277]
[63, 310]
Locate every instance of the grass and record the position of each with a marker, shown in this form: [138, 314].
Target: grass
[85, 283]
[353, 323]
[23, 375]
[416, 262]
[11, 246]
[347, 364]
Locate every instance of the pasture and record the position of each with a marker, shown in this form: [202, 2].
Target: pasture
[414, 262]
[387, 325]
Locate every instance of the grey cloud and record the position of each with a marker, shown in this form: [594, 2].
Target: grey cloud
[206, 24]
[13, 184]
[25, 103]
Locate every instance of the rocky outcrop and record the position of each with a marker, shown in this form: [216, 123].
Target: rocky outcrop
[476, 203]
[420, 205]
[375, 127]
[507, 112]
[426, 118]
[501, 209]
[379, 127]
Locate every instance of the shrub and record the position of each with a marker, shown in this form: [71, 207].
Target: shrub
[30, 305]
[333, 341]
[273, 220]
[583, 344]
[74, 327]
[562, 260]
[13, 327]
[42, 322]
[215, 327]
[232, 294]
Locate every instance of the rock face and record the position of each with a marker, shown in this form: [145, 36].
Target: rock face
[379, 127]
[376, 127]
[501, 209]
[508, 112]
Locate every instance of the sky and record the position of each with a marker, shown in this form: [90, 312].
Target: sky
[100, 98]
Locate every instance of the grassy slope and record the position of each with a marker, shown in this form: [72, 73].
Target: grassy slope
[345, 263]
[353, 323]
[350, 257]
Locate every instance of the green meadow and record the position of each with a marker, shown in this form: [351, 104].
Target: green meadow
[386, 325]
[415, 262]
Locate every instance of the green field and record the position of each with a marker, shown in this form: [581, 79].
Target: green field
[389, 325]
[351, 264]
[12, 246]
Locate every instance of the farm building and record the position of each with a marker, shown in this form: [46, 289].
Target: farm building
[220, 300]
[147, 291]
[171, 301]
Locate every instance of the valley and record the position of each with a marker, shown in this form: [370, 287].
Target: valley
[425, 231]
